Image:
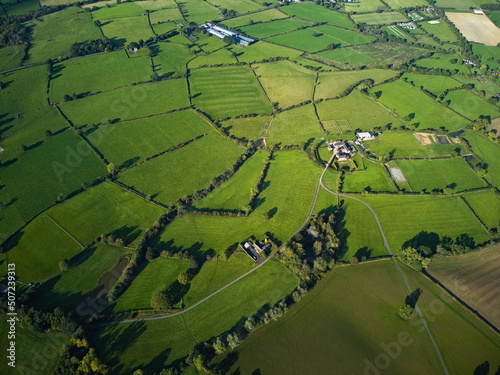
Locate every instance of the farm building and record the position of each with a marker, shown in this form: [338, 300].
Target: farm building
[478, 11]
[341, 150]
[221, 33]
[365, 136]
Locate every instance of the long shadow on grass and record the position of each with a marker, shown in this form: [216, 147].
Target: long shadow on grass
[341, 230]
[195, 249]
[126, 233]
[157, 362]
[13, 241]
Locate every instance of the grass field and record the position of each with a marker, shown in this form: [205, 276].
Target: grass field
[473, 278]
[347, 108]
[397, 4]
[241, 6]
[285, 82]
[486, 205]
[128, 143]
[227, 92]
[235, 193]
[10, 57]
[434, 84]
[264, 30]
[220, 57]
[165, 15]
[379, 18]
[22, 7]
[57, 166]
[258, 52]
[441, 61]
[288, 209]
[365, 6]
[163, 341]
[198, 11]
[158, 275]
[118, 11]
[170, 59]
[318, 14]
[346, 36]
[163, 28]
[486, 53]
[249, 128]
[374, 177]
[48, 29]
[320, 333]
[122, 31]
[209, 43]
[440, 30]
[69, 288]
[332, 84]
[127, 103]
[430, 115]
[488, 152]
[438, 174]
[403, 217]
[294, 127]
[489, 87]
[184, 171]
[92, 74]
[461, 4]
[267, 15]
[106, 209]
[470, 105]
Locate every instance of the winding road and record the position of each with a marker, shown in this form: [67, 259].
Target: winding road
[386, 244]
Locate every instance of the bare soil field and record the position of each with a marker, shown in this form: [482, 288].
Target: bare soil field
[476, 27]
[397, 175]
[425, 138]
[475, 278]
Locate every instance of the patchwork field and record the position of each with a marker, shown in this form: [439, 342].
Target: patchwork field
[440, 30]
[264, 30]
[117, 11]
[226, 92]
[220, 57]
[446, 62]
[170, 59]
[317, 14]
[373, 178]
[434, 84]
[488, 152]
[470, 105]
[198, 11]
[165, 15]
[243, 6]
[486, 205]
[267, 15]
[379, 18]
[246, 128]
[262, 50]
[122, 31]
[365, 6]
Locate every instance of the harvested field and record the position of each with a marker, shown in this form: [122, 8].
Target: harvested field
[476, 27]
[397, 175]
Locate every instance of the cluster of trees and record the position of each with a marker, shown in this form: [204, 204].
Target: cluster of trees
[40, 321]
[166, 299]
[12, 32]
[228, 13]
[257, 188]
[80, 358]
[90, 46]
[414, 258]
[312, 252]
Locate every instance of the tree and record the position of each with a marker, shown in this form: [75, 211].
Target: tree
[64, 265]
[184, 278]
[160, 301]
[233, 340]
[24, 148]
[219, 345]
[413, 258]
[111, 169]
[48, 133]
[405, 311]
[155, 77]
[354, 260]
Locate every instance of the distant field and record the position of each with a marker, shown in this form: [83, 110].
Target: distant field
[228, 91]
[461, 4]
[247, 128]
[476, 27]
[403, 217]
[432, 83]
[374, 177]
[332, 84]
[198, 11]
[470, 105]
[318, 14]
[267, 15]
[235, 193]
[264, 30]
[47, 29]
[92, 74]
[117, 11]
[262, 50]
[158, 275]
[127, 103]
[122, 31]
[397, 4]
[379, 18]
[285, 82]
[241, 6]
[170, 59]
[430, 115]
[489, 87]
[164, 15]
[347, 108]
[440, 30]
[319, 333]
[486, 205]
[488, 152]
[22, 7]
[106, 209]
[220, 57]
[167, 177]
[441, 61]
[405, 145]
[438, 174]
[474, 278]
[365, 6]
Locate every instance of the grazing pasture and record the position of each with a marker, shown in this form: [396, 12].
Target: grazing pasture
[234, 194]
[241, 6]
[470, 105]
[473, 278]
[163, 28]
[486, 205]
[309, 40]
[198, 11]
[440, 30]
[267, 15]
[488, 152]
[220, 57]
[264, 30]
[439, 174]
[10, 57]
[92, 74]
[117, 11]
[249, 128]
[430, 115]
[446, 62]
[128, 143]
[227, 92]
[262, 50]
[22, 7]
[432, 83]
[122, 31]
[379, 18]
[487, 53]
[317, 13]
[164, 15]
[170, 59]
[373, 178]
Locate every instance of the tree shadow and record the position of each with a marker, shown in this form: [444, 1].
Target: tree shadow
[34, 145]
[483, 369]
[128, 234]
[412, 299]
[13, 241]
[363, 252]
[118, 42]
[157, 362]
[224, 366]
[9, 162]
[272, 212]
[258, 202]
[128, 163]
[340, 228]
[423, 241]
[81, 257]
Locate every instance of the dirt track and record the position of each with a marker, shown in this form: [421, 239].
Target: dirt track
[476, 27]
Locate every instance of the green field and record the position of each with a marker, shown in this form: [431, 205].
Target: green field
[92, 74]
[403, 217]
[489, 153]
[486, 205]
[285, 82]
[267, 15]
[347, 108]
[318, 14]
[470, 105]
[441, 61]
[163, 28]
[263, 30]
[10, 57]
[489, 87]
[198, 11]
[206, 157]
[241, 6]
[320, 334]
[209, 43]
[165, 15]
[374, 177]
[22, 7]
[220, 57]
[430, 115]
[262, 50]
[332, 84]
[461, 4]
[122, 31]
[158, 275]
[227, 92]
[379, 18]
[365, 6]
[246, 128]
[117, 11]
[440, 30]
[294, 127]
[434, 84]
[163, 341]
[170, 59]
[438, 174]
[235, 193]
[48, 29]
[487, 53]
[405, 145]
[397, 4]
